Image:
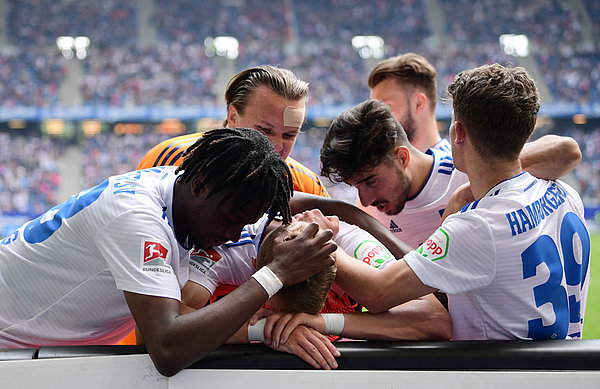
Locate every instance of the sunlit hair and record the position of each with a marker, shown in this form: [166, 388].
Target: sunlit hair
[360, 139]
[408, 69]
[307, 296]
[281, 81]
[498, 106]
[241, 165]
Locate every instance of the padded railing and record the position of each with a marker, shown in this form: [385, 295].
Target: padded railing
[361, 355]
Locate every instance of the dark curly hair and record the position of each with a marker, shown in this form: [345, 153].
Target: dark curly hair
[241, 164]
[360, 139]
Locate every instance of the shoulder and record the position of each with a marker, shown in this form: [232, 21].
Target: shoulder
[168, 152]
[305, 180]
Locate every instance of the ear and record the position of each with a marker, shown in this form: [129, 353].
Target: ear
[402, 155]
[420, 102]
[195, 186]
[460, 132]
[232, 115]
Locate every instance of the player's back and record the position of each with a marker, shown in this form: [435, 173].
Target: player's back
[538, 248]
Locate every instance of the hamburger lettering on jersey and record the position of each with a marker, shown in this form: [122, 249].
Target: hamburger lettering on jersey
[515, 263]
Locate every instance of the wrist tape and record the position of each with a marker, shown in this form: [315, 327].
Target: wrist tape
[257, 331]
[268, 280]
[334, 323]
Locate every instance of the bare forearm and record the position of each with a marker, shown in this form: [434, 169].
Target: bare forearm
[550, 157]
[420, 319]
[351, 214]
[176, 341]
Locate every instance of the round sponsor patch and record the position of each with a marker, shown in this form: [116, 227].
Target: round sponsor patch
[372, 253]
[436, 246]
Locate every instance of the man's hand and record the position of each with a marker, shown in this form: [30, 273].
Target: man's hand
[304, 256]
[313, 347]
[325, 222]
[279, 326]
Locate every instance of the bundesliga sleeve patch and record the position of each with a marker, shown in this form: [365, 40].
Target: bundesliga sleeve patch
[436, 246]
[372, 253]
[203, 260]
[155, 257]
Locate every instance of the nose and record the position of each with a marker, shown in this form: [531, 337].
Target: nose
[365, 197]
[277, 142]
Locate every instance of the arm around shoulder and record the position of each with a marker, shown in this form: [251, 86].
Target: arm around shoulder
[551, 156]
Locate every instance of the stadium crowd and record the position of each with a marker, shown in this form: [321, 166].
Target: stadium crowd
[311, 37]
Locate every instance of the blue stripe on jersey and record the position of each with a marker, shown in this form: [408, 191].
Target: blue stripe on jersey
[472, 205]
[175, 149]
[530, 186]
[310, 174]
[446, 167]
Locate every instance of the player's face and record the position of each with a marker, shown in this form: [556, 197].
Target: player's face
[210, 225]
[386, 187]
[266, 112]
[398, 98]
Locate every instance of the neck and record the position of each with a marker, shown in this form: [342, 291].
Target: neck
[484, 175]
[420, 168]
[427, 136]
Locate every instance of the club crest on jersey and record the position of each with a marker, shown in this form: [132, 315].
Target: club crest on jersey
[436, 246]
[372, 253]
[204, 259]
[155, 257]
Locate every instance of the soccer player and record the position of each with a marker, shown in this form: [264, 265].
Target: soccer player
[232, 264]
[515, 262]
[407, 83]
[268, 99]
[117, 254]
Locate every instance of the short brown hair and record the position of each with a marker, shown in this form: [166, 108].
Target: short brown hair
[360, 139]
[498, 106]
[411, 69]
[307, 296]
[281, 81]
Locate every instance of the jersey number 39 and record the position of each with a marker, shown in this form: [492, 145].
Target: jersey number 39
[567, 308]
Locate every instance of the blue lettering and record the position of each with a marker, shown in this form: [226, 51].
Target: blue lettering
[524, 219]
[543, 201]
[512, 221]
[535, 218]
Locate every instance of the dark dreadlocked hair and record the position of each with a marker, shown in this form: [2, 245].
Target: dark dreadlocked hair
[241, 164]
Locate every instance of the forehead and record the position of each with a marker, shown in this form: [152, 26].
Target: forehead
[270, 106]
[390, 88]
[363, 175]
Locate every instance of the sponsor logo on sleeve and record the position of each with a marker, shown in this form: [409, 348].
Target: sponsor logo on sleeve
[204, 259]
[155, 257]
[372, 253]
[436, 247]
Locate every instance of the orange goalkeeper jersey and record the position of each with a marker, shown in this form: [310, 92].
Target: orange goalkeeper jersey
[170, 152]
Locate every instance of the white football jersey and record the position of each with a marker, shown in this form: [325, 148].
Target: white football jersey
[515, 264]
[231, 263]
[443, 145]
[62, 275]
[422, 214]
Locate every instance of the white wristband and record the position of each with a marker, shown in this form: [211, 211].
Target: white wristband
[268, 280]
[334, 323]
[257, 331]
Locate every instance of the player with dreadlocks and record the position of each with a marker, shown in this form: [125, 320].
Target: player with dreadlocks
[117, 254]
[239, 177]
